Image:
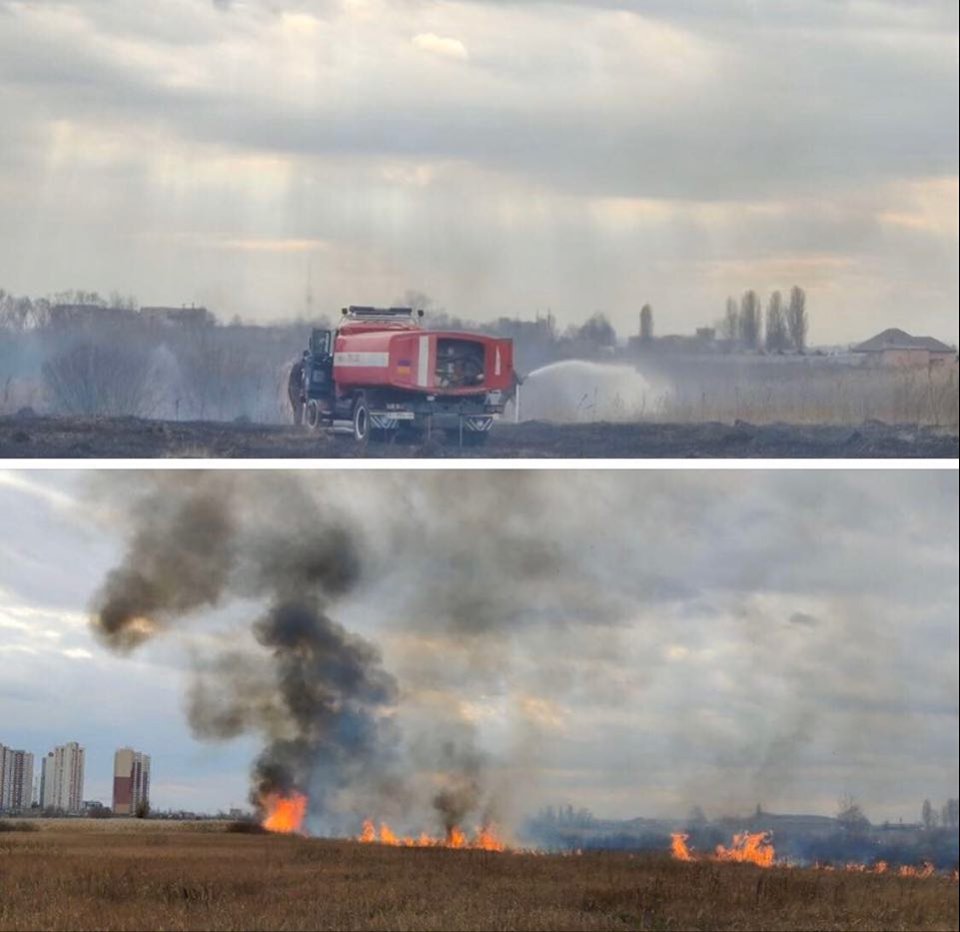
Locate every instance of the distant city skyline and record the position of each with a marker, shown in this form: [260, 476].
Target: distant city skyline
[59, 781]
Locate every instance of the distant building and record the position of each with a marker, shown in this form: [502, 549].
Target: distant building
[72, 315]
[131, 781]
[61, 778]
[179, 316]
[894, 347]
[704, 340]
[16, 779]
[94, 809]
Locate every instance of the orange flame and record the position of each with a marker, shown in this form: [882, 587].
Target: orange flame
[678, 847]
[756, 848]
[484, 839]
[487, 840]
[284, 813]
[748, 848]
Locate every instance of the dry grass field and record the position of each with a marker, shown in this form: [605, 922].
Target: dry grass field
[807, 392]
[146, 875]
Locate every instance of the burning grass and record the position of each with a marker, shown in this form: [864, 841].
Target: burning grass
[204, 880]
[484, 839]
[757, 848]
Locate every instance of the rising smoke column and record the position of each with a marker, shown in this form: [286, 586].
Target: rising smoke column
[318, 694]
[179, 558]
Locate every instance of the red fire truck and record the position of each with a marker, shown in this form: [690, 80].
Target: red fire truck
[381, 372]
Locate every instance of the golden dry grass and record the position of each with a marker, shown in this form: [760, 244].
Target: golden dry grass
[154, 878]
[823, 396]
[121, 826]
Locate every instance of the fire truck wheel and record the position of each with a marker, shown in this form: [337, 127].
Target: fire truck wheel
[361, 420]
[313, 414]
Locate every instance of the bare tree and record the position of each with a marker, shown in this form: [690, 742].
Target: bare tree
[646, 324]
[101, 379]
[16, 314]
[696, 816]
[797, 318]
[122, 302]
[850, 815]
[750, 322]
[949, 813]
[777, 339]
[928, 815]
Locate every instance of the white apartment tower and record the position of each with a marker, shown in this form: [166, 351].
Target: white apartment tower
[61, 778]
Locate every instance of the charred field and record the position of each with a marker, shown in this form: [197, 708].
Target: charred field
[204, 877]
[59, 437]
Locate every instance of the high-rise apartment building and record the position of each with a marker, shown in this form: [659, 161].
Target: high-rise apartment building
[16, 779]
[131, 781]
[61, 778]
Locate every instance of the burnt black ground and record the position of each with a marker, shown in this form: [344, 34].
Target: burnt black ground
[62, 437]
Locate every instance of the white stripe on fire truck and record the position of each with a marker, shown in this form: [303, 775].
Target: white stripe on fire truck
[423, 361]
[368, 360]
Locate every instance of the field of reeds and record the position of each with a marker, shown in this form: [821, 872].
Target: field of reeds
[813, 392]
[171, 876]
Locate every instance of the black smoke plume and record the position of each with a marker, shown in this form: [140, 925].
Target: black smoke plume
[316, 693]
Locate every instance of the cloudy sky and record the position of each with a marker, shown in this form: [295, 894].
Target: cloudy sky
[632, 642]
[502, 157]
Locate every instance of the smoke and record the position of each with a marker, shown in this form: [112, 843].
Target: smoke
[317, 694]
[655, 640]
[178, 560]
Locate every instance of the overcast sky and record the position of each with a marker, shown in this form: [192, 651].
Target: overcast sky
[502, 157]
[632, 642]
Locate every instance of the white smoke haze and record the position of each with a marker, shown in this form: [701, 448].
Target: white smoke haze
[635, 643]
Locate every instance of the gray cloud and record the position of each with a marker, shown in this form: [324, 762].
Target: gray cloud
[693, 148]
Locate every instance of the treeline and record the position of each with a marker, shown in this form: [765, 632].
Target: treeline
[83, 354]
[782, 327]
[80, 354]
[19, 313]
